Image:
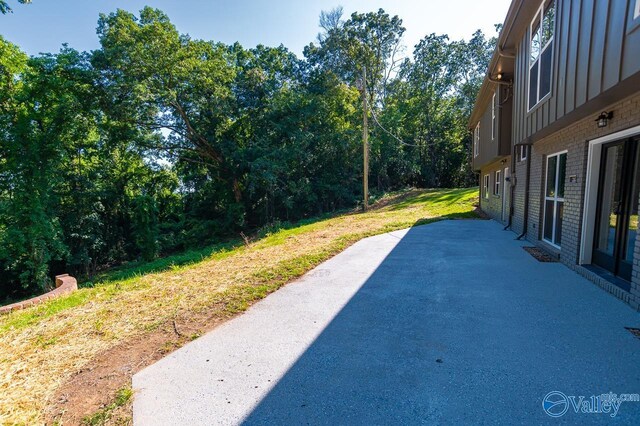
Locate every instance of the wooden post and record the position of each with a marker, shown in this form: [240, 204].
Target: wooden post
[365, 142]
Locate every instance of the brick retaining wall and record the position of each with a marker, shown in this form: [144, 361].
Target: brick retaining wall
[64, 284]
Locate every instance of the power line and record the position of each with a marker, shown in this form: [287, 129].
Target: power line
[375, 119]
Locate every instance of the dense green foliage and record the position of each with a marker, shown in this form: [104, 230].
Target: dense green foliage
[157, 142]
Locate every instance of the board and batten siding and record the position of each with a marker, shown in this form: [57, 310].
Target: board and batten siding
[596, 46]
[500, 144]
[488, 148]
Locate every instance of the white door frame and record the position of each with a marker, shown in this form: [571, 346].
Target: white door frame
[591, 190]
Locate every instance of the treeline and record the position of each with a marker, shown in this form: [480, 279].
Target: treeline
[157, 142]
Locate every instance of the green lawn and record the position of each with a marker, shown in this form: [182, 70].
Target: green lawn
[41, 347]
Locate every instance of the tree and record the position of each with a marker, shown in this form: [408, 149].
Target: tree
[168, 81]
[371, 40]
[157, 142]
[428, 107]
[330, 21]
[47, 119]
[4, 6]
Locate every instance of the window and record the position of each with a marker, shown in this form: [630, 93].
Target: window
[522, 153]
[485, 187]
[493, 117]
[496, 183]
[541, 52]
[636, 13]
[476, 140]
[554, 198]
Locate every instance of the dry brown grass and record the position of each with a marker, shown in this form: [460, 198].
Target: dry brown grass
[41, 348]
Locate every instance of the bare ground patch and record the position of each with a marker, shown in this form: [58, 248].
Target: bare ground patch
[93, 387]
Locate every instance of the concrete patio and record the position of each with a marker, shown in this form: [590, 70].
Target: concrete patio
[450, 322]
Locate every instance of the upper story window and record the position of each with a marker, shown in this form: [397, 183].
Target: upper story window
[541, 52]
[476, 140]
[493, 117]
[636, 12]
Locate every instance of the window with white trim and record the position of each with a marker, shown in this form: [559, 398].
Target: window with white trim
[485, 187]
[636, 11]
[541, 52]
[554, 198]
[493, 117]
[476, 140]
[522, 153]
[496, 183]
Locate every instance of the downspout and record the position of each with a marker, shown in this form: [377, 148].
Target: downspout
[512, 188]
[473, 157]
[525, 222]
[512, 180]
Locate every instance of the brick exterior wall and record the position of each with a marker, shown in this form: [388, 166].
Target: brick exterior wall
[492, 204]
[519, 178]
[575, 140]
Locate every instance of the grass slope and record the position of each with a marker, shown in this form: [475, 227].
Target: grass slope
[42, 347]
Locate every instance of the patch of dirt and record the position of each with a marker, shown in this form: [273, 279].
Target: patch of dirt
[540, 255]
[94, 387]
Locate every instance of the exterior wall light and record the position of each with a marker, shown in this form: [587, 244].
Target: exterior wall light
[603, 118]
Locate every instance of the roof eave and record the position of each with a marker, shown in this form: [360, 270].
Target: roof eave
[505, 48]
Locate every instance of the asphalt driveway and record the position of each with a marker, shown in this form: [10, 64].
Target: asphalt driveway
[447, 323]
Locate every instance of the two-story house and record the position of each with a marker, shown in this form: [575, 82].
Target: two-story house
[556, 132]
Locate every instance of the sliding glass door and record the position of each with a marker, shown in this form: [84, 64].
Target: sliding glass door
[617, 215]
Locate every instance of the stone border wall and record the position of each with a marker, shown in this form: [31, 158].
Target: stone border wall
[64, 284]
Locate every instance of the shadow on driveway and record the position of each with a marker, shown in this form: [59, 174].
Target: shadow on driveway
[460, 325]
[451, 322]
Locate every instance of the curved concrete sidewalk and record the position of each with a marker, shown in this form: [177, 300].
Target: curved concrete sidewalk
[444, 323]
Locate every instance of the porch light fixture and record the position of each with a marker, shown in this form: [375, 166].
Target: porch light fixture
[603, 118]
[499, 76]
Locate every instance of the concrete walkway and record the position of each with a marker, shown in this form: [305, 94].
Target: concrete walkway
[445, 323]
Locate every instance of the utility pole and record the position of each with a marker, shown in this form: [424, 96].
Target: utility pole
[365, 141]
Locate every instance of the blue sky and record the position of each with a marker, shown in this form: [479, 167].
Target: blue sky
[45, 24]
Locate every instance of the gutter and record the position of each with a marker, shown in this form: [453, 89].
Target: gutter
[502, 39]
[506, 55]
[508, 33]
[498, 81]
[512, 13]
